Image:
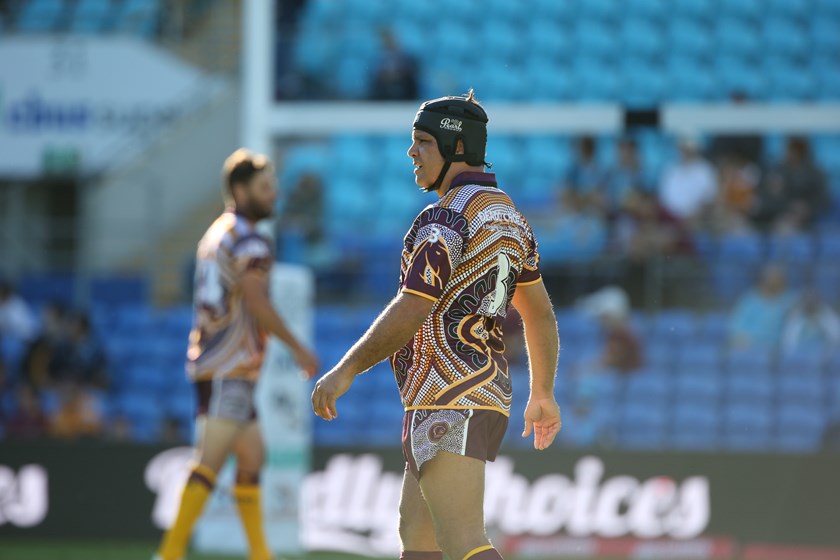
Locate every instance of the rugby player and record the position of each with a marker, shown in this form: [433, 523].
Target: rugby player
[233, 316]
[467, 257]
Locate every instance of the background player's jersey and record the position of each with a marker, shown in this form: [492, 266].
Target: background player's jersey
[225, 341]
[467, 252]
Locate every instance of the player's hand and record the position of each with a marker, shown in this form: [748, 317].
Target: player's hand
[542, 416]
[306, 360]
[327, 390]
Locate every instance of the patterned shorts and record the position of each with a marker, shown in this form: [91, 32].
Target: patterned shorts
[226, 398]
[472, 433]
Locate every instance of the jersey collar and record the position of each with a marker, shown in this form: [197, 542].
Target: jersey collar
[473, 178]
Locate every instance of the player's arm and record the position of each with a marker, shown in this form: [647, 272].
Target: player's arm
[394, 327]
[254, 286]
[543, 345]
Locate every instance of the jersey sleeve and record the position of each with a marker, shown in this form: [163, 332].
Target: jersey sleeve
[531, 267]
[253, 252]
[441, 237]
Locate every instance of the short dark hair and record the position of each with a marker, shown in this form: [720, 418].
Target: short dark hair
[241, 166]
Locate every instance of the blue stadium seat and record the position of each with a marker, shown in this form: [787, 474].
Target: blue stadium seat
[140, 17]
[800, 428]
[594, 40]
[790, 9]
[805, 390]
[789, 81]
[40, 15]
[548, 81]
[601, 10]
[595, 80]
[548, 38]
[696, 427]
[674, 324]
[748, 427]
[737, 73]
[803, 362]
[749, 388]
[748, 361]
[643, 426]
[746, 9]
[119, 290]
[825, 40]
[698, 386]
[713, 326]
[660, 354]
[91, 16]
[642, 84]
[699, 354]
[641, 38]
[737, 38]
[783, 37]
[651, 9]
[796, 248]
[826, 280]
[828, 242]
[690, 37]
[649, 385]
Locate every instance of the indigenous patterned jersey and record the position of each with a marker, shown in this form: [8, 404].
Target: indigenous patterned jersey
[467, 252]
[225, 341]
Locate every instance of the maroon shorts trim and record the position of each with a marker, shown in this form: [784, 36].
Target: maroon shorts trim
[472, 433]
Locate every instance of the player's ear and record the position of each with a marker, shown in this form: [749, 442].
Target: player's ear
[459, 147]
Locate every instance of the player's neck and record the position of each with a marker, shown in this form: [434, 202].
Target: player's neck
[446, 184]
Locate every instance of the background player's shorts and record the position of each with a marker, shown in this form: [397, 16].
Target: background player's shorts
[227, 398]
[472, 433]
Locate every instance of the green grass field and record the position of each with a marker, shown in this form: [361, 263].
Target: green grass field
[30, 549]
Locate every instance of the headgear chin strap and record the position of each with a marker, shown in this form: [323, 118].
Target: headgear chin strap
[450, 119]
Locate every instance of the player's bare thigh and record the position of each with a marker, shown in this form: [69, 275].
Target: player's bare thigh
[453, 487]
[249, 449]
[417, 533]
[215, 438]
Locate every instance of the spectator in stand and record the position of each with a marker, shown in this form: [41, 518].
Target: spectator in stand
[645, 229]
[689, 188]
[82, 358]
[746, 147]
[79, 414]
[621, 351]
[302, 218]
[759, 316]
[739, 179]
[812, 325]
[43, 356]
[585, 180]
[28, 421]
[396, 75]
[16, 319]
[626, 177]
[793, 193]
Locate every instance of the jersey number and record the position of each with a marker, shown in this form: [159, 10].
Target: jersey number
[503, 282]
[209, 292]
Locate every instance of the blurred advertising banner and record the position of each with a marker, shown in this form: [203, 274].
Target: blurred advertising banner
[542, 505]
[283, 398]
[74, 104]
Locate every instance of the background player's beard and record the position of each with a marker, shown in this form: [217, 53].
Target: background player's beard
[254, 211]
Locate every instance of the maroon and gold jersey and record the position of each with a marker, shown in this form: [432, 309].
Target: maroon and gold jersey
[225, 341]
[467, 252]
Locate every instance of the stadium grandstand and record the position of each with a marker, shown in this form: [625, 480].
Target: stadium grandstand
[723, 343]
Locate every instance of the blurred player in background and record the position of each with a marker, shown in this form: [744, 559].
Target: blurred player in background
[467, 257]
[232, 318]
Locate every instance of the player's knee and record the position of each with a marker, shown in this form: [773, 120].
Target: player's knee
[247, 477]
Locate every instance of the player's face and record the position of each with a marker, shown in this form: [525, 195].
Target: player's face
[426, 157]
[261, 195]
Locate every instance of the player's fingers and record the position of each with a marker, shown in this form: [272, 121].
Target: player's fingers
[528, 427]
[332, 409]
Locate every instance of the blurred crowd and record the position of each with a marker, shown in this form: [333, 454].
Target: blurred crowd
[55, 379]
